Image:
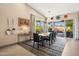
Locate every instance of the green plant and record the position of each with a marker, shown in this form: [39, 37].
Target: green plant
[69, 24]
[38, 29]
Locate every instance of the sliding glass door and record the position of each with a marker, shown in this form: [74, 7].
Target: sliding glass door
[69, 28]
[40, 26]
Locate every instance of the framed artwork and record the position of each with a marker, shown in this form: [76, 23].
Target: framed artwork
[24, 25]
[23, 21]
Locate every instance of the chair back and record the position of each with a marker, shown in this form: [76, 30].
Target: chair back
[35, 37]
[54, 34]
[50, 36]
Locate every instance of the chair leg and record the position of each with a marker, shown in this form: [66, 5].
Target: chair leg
[38, 44]
[54, 39]
[33, 44]
[49, 43]
[42, 43]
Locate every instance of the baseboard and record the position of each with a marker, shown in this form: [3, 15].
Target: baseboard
[12, 44]
[7, 45]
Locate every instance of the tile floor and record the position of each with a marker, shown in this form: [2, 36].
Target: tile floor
[15, 50]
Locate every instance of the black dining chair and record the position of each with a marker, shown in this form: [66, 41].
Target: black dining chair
[55, 36]
[52, 40]
[36, 39]
[48, 38]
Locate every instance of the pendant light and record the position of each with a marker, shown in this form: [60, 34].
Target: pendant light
[65, 16]
[51, 18]
[58, 17]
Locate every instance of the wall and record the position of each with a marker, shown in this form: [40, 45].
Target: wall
[78, 26]
[13, 11]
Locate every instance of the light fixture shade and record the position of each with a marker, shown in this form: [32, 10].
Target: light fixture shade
[58, 17]
[65, 16]
[51, 18]
[62, 20]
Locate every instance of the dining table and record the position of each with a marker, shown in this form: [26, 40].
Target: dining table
[44, 34]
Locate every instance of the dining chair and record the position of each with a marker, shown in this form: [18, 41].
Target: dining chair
[52, 40]
[54, 35]
[36, 39]
[48, 38]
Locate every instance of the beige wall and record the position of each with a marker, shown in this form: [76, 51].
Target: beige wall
[13, 11]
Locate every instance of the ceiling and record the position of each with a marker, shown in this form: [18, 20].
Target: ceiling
[53, 9]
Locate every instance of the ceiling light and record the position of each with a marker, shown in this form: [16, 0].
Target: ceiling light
[49, 11]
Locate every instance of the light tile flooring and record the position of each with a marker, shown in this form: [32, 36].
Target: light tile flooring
[15, 50]
[71, 48]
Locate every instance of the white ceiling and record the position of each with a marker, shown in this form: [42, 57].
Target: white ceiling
[53, 9]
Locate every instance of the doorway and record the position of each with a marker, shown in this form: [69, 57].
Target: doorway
[69, 28]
